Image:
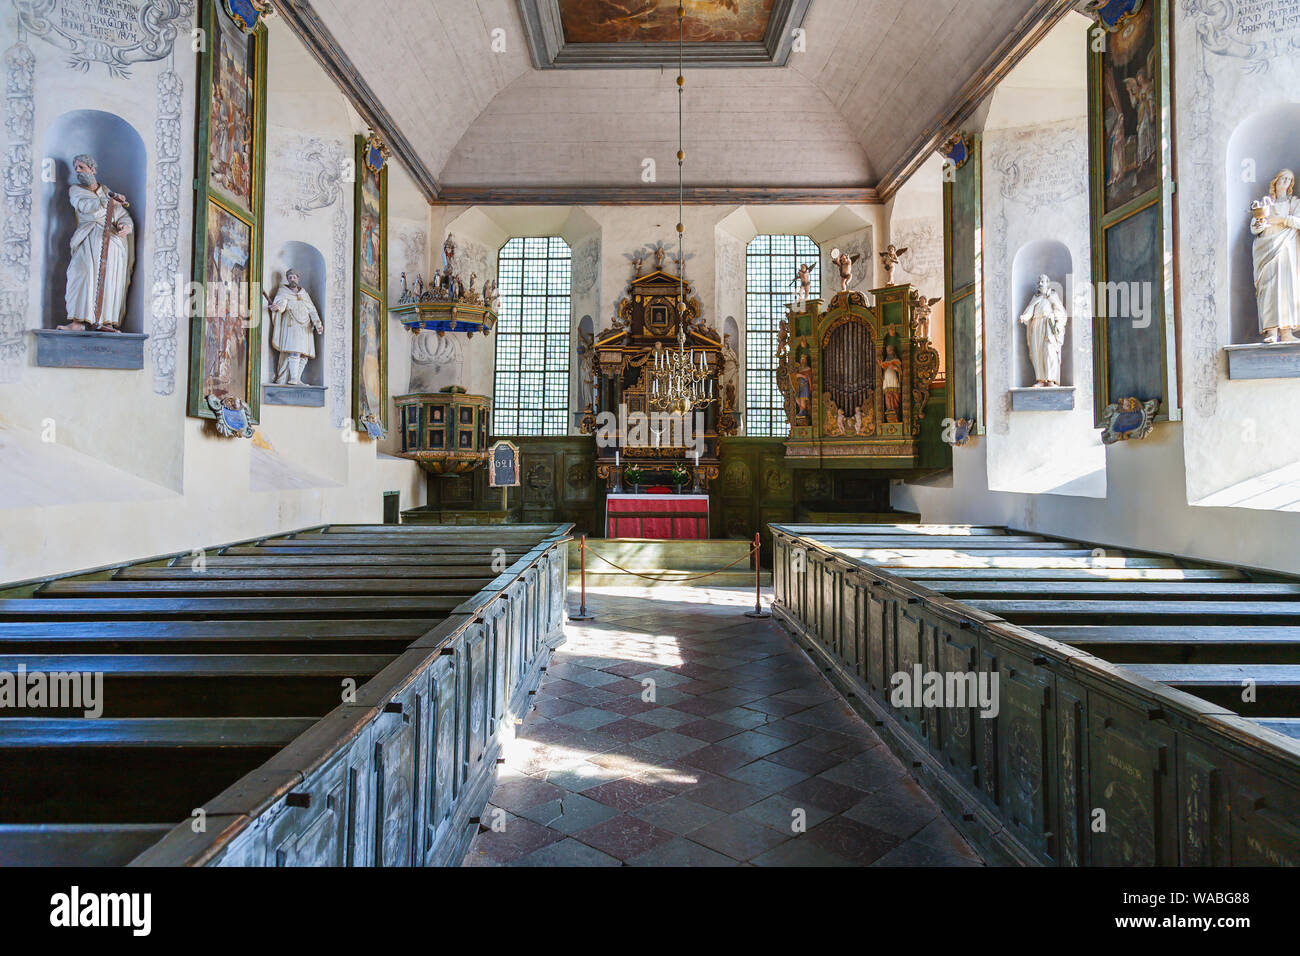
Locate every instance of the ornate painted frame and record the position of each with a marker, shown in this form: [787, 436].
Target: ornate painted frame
[239, 13]
[371, 160]
[1109, 17]
[963, 158]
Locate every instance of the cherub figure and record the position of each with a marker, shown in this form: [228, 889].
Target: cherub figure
[845, 263]
[891, 257]
[803, 280]
[921, 309]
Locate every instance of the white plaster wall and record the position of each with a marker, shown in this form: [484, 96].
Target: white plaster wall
[1233, 61]
[1230, 62]
[1035, 189]
[101, 466]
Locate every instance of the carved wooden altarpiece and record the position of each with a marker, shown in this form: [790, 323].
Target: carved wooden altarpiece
[648, 316]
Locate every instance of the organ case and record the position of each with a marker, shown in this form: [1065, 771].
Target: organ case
[856, 379]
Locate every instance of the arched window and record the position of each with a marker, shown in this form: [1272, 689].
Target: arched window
[531, 392]
[771, 263]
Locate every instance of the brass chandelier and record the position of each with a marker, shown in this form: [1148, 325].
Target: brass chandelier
[680, 380]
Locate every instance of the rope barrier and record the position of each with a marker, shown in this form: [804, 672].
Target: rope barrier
[695, 577]
[754, 549]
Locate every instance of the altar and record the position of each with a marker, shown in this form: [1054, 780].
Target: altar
[668, 517]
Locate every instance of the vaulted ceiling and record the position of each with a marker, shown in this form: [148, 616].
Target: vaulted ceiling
[875, 84]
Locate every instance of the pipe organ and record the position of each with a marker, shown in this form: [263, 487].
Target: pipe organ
[856, 379]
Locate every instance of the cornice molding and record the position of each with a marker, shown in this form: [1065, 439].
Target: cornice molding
[1028, 32]
[650, 195]
[303, 20]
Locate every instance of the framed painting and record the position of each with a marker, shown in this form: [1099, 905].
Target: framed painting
[963, 282]
[370, 367]
[1130, 136]
[370, 294]
[225, 339]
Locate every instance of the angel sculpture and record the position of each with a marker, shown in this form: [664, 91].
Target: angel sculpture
[921, 309]
[845, 262]
[891, 257]
[804, 282]
[637, 262]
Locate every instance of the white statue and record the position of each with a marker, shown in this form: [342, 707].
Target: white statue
[293, 319]
[1044, 320]
[103, 253]
[1275, 224]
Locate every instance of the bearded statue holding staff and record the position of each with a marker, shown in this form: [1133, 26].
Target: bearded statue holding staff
[103, 253]
[294, 319]
[1044, 320]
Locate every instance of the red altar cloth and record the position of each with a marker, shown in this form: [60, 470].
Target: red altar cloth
[669, 517]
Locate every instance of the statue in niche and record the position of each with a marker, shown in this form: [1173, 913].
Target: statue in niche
[891, 257]
[730, 371]
[891, 384]
[294, 320]
[803, 282]
[103, 253]
[1044, 320]
[1275, 224]
[845, 263]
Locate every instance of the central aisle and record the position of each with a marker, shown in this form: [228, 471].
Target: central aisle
[743, 738]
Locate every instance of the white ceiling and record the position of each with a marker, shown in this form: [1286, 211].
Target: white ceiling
[875, 76]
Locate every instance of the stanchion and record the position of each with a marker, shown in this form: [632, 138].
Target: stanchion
[582, 614]
[758, 580]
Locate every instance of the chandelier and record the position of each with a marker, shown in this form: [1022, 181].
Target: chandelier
[680, 380]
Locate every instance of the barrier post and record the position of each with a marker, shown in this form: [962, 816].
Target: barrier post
[758, 579]
[582, 614]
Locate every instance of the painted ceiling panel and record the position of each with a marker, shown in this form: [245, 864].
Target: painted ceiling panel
[655, 21]
[874, 76]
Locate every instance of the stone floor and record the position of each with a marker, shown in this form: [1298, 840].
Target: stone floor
[745, 755]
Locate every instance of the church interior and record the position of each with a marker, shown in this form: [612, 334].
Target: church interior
[666, 433]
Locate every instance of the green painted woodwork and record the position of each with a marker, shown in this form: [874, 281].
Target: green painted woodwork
[963, 285]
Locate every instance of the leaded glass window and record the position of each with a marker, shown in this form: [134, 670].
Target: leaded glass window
[531, 394]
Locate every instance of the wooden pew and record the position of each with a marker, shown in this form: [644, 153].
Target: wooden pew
[207, 675]
[128, 771]
[200, 585]
[76, 844]
[254, 608]
[202, 685]
[224, 637]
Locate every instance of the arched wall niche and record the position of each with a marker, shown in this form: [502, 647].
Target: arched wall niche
[1261, 145]
[1052, 258]
[310, 263]
[123, 167]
